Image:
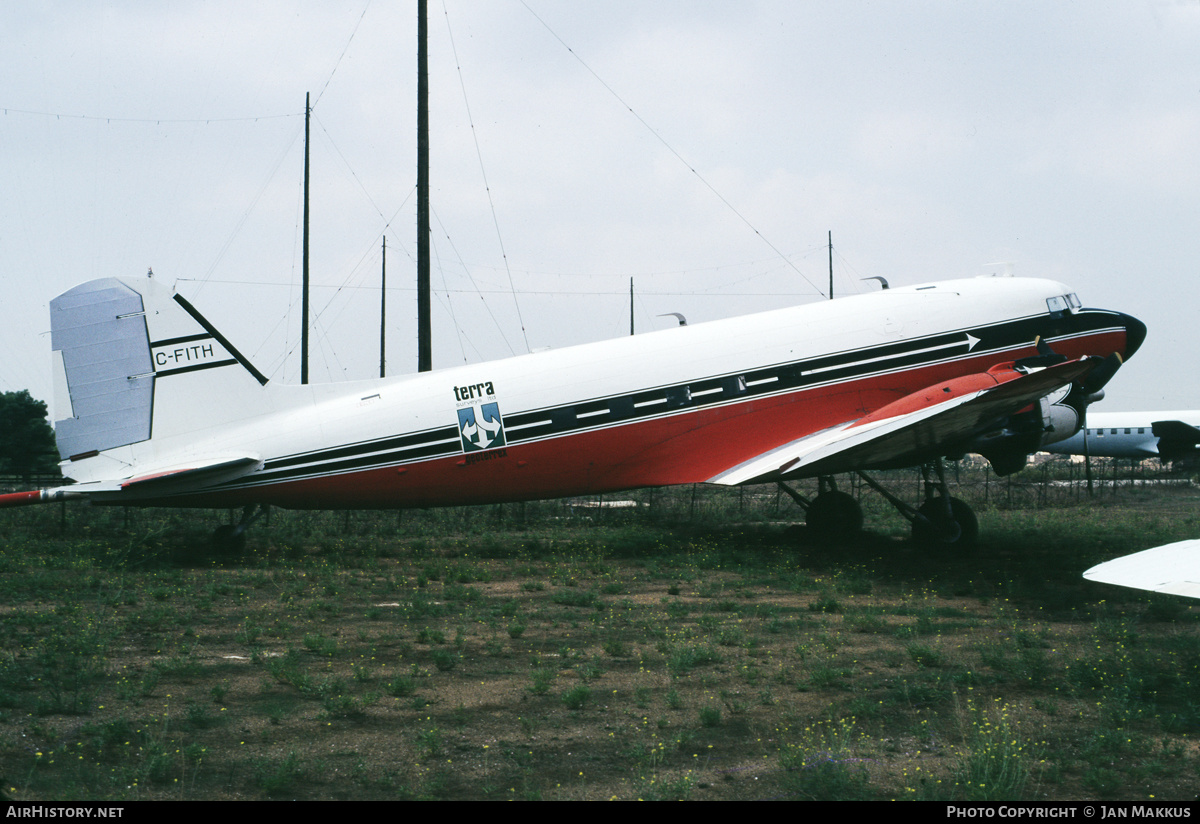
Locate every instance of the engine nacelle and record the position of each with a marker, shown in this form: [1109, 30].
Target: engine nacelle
[1063, 411]
[1056, 417]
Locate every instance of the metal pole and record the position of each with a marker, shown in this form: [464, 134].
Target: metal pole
[304, 264]
[424, 344]
[383, 313]
[831, 264]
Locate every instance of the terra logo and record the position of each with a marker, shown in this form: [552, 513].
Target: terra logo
[480, 427]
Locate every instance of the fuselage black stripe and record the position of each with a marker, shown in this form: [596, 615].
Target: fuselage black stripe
[597, 413]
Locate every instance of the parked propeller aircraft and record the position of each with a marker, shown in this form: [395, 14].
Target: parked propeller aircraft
[1171, 436]
[155, 407]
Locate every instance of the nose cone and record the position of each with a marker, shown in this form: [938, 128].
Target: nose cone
[1135, 333]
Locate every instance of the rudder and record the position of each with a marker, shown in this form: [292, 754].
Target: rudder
[121, 349]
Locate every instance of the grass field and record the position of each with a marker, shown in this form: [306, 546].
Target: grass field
[694, 646]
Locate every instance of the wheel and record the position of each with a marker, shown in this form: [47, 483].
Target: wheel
[834, 514]
[228, 538]
[960, 530]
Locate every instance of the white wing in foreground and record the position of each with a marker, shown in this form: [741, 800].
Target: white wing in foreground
[1173, 569]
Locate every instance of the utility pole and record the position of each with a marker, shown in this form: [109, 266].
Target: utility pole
[831, 264]
[424, 344]
[383, 313]
[304, 265]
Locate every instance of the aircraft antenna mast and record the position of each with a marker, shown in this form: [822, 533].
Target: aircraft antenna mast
[304, 265]
[631, 306]
[424, 345]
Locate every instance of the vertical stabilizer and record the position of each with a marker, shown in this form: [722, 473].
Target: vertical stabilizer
[104, 381]
[134, 362]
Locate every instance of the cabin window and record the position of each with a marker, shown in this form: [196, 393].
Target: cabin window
[1127, 432]
[1141, 430]
[1114, 432]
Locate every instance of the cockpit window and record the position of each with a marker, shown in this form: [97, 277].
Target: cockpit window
[1063, 303]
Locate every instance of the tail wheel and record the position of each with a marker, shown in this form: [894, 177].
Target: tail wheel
[229, 538]
[834, 514]
[958, 529]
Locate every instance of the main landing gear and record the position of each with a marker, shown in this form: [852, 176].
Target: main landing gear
[832, 514]
[232, 537]
[941, 521]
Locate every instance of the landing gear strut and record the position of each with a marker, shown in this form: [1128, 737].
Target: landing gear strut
[941, 520]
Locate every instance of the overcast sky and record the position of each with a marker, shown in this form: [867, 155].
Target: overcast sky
[703, 148]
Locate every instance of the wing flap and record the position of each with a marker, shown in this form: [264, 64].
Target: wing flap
[912, 429]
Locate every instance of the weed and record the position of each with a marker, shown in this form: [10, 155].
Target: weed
[277, 778]
[542, 679]
[826, 603]
[997, 764]
[401, 686]
[445, 660]
[577, 697]
[683, 659]
[821, 765]
[924, 656]
[429, 741]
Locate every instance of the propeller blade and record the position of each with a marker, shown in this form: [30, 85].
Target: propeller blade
[1044, 349]
[1045, 356]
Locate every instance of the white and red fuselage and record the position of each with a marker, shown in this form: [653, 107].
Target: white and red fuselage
[676, 406]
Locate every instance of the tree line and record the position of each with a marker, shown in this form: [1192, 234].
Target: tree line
[27, 446]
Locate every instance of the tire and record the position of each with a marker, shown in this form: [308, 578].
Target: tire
[834, 515]
[228, 538]
[961, 530]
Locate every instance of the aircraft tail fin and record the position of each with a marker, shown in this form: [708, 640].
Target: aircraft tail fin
[135, 361]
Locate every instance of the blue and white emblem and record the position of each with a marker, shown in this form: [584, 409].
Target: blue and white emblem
[481, 427]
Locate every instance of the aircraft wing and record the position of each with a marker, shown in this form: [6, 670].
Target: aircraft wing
[1173, 569]
[916, 428]
[195, 477]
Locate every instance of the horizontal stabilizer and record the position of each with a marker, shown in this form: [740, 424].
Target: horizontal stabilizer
[1177, 431]
[1173, 569]
[189, 479]
[911, 430]
[172, 481]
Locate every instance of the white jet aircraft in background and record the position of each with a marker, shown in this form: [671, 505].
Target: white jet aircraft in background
[1171, 436]
[155, 407]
